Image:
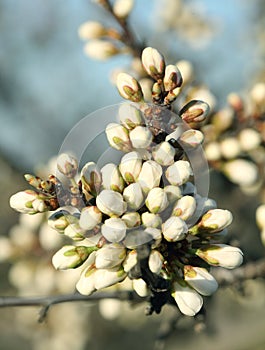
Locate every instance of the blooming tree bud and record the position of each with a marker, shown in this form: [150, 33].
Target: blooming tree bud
[141, 137]
[172, 78]
[23, 201]
[150, 175]
[75, 232]
[130, 261]
[187, 299]
[118, 137]
[111, 203]
[151, 220]
[156, 200]
[91, 178]
[195, 111]
[173, 193]
[110, 255]
[130, 166]
[249, 139]
[100, 49]
[191, 138]
[230, 147]
[140, 287]
[114, 230]
[107, 277]
[179, 172]
[70, 257]
[131, 219]
[155, 261]
[174, 229]
[184, 207]
[60, 220]
[200, 279]
[67, 165]
[129, 88]
[91, 30]
[241, 172]
[186, 70]
[90, 217]
[216, 220]
[111, 178]
[133, 196]
[221, 255]
[122, 8]
[153, 63]
[86, 282]
[129, 116]
[163, 153]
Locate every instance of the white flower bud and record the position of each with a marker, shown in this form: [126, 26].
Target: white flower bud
[109, 256]
[153, 63]
[122, 8]
[130, 261]
[221, 255]
[118, 137]
[200, 279]
[91, 30]
[90, 217]
[260, 216]
[140, 287]
[216, 220]
[131, 219]
[86, 282]
[23, 201]
[114, 230]
[129, 116]
[146, 85]
[111, 203]
[187, 299]
[163, 153]
[129, 88]
[186, 70]
[249, 139]
[258, 93]
[212, 151]
[173, 193]
[70, 257]
[39, 205]
[67, 165]
[179, 172]
[156, 200]
[195, 111]
[75, 232]
[241, 172]
[151, 220]
[91, 178]
[173, 78]
[174, 229]
[150, 175]
[191, 138]
[155, 261]
[108, 277]
[60, 219]
[111, 178]
[100, 49]
[185, 207]
[133, 196]
[230, 147]
[130, 166]
[141, 137]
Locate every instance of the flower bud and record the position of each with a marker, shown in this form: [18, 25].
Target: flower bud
[195, 111]
[108, 277]
[150, 175]
[191, 138]
[200, 279]
[131, 219]
[141, 137]
[173, 193]
[129, 88]
[258, 93]
[67, 165]
[130, 261]
[114, 230]
[140, 287]
[187, 299]
[100, 49]
[156, 200]
[260, 216]
[249, 139]
[75, 232]
[122, 8]
[164, 153]
[133, 196]
[70, 257]
[129, 116]
[221, 255]
[39, 206]
[23, 201]
[60, 220]
[230, 147]
[155, 261]
[109, 256]
[111, 178]
[90, 217]
[157, 93]
[91, 178]
[86, 282]
[111, 203]
[184, 207]
[241, 172]
[186, 69]
[153, 63]
[173, 78]
[118, 137]
[174, 229]
[91, 30]
[179, 172]
[212, 151]
[146, 85]
[151, 220]
[216, 220]
[130, 166]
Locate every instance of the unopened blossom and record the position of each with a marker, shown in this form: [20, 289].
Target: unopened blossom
[111, 203]
[100, 49]
[212, 151]
[186, 69]
[195, 111]
[109, 256]
[111, 178]
[146, 85]
[188, 300]
[67, 165]
[75, 232]
[258, 93]
[173, 193]
[155, 261]
[174, 229]
[141, 137]
[23, 201]
[122, 8]
[156, 200]
[163, 153]
[130, 260]
[191, 138]
[153, 63]
[216, 220]
[230, 147]
[140, 287]
[130, 116]
[241, 172]
[118, 137]
[130, 166]
[184, 207]
[200, 279]
[221, 255]
[172, 78]
[179, 172]
[114, 230]
[104, 278]
[131, 219]
[39, 206]
[60, 219]
[151, 220]
[133, 196]
[129, 88]
[249, 139]
[70, 256]
[150, 175]
[91, 178]
[260, 216]
[91, 30]
[90, 217]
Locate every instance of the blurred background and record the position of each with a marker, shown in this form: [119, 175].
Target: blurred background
[47, 84]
